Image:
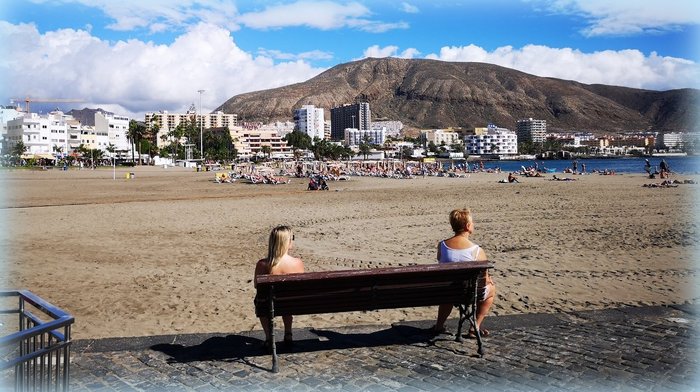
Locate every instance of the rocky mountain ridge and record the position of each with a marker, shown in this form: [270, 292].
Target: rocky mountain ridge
[437, 94]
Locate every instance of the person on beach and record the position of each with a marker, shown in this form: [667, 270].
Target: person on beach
[664, 170]
[279, 262]
[459, 248]
[647, 166]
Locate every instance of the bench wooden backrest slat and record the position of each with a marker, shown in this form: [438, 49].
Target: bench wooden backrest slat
[355, 290]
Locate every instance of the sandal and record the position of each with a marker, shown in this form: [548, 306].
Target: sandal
[482, 331]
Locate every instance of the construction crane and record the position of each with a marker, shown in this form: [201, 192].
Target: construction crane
[27, 100]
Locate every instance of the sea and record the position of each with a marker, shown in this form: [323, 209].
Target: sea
[677, 164]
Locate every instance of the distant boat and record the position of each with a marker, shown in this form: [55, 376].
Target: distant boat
[669, 154]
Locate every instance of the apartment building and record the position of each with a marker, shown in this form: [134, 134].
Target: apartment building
[250, 142]
[531, 130]
[58, 134]
[392, 128]
[354, 116]
[440, 137]
[309, 119]
[495, 141]
[115, 127]
[41, 134]
[355, 137]
[169, 121]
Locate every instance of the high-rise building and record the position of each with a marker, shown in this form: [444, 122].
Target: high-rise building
[530, 130]
[356, 116]
[309, 119]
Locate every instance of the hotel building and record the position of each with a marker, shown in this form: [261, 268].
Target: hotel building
[531, 130]
[309, 119]
[354, 116]
[169, 121]
[495, 141]
[250, 142]
[355, 137]
[440, 137]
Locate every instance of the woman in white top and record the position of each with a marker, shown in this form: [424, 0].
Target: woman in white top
[459, 248]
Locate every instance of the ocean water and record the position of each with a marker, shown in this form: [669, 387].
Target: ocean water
[680, 165]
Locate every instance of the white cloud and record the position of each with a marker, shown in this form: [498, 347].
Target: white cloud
[409, 8]
[323, 15]
[134, 75]
[161, 15]
[389, 51]
[629, 17]
[630, 68]
[310, 55]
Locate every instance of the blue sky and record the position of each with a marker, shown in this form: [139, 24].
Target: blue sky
[133, 56]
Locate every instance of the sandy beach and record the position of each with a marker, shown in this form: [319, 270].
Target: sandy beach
[170, 251]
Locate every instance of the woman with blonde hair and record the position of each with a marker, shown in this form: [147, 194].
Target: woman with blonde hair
[279, 262]
[459, 248]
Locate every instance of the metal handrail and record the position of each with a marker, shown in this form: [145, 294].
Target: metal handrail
[43, 359]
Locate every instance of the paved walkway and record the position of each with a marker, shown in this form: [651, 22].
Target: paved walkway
[628, 349]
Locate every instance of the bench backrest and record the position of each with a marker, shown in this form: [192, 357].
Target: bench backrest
[370, 289]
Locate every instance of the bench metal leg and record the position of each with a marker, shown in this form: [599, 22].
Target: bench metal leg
[465, 315]
[273, 346]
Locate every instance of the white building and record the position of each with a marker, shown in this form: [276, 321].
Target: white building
[532, 130]
[116, 128]
[58, 134]
[41, 134]
[354, 136]
[309, 119]
[169, 121]
[393, 128]
[496, 141]
[440, 137]
[7, 113]
[670, 140]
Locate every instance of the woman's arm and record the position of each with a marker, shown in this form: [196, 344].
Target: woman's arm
[261, 268]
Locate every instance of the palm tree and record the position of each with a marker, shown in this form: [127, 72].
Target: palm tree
[17, 151]
[136, 133]
[266, 150]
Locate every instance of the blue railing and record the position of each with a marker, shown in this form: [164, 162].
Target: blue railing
[39, 351]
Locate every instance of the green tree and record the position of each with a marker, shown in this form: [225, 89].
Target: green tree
[298, 141]
[218, 145]
[266, 150]
[17, 150]
[432, 147]
[137, 131]
[365, 147]
[406, 152]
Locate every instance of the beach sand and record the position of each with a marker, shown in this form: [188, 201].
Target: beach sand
[170, 251]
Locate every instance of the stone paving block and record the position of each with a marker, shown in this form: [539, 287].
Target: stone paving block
[628, 354]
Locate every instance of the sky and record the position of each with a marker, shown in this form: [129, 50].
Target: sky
[138, 56]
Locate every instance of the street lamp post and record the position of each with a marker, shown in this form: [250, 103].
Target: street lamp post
[201, 124]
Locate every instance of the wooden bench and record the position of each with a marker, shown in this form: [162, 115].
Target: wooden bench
[371, 289]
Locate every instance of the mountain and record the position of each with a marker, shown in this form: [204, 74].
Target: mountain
[438, 94]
